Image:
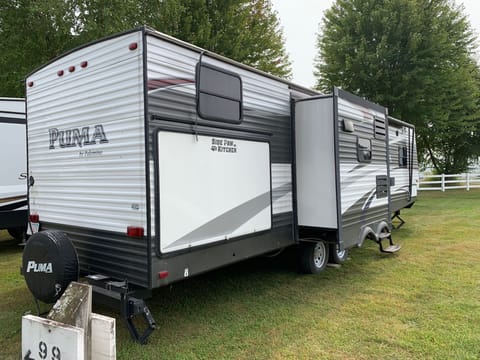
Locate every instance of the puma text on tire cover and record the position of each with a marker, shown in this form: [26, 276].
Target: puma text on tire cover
[50, 263]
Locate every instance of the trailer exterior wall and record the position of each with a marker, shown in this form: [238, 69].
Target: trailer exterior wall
[404, 191]
[13, 186]
[338, 191]
[92, 186]
[266, 119]
[361, 204]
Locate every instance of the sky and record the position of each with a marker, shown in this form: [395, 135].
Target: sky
[300, 19]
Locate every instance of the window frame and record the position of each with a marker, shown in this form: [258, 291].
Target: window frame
[199, 91]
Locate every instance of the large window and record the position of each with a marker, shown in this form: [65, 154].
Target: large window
[364, 150]
[219, 94]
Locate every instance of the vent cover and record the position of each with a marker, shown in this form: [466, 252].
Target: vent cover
[380, 128]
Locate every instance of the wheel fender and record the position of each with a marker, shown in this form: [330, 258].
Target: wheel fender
[381, 226]
[364, 233]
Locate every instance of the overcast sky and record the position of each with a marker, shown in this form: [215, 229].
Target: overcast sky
[300, 20]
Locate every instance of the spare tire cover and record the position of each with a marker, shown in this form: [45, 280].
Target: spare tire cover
[50, 263]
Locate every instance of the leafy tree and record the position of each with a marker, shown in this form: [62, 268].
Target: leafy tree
[34, 31]
[245, 30]
[31, 33]
[415, 57]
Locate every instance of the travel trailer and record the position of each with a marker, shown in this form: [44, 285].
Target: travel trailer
[404, 166]
[13, 160]
[153, 160]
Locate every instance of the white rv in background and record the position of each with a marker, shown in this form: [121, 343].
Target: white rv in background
[13, 162]
[159, 161]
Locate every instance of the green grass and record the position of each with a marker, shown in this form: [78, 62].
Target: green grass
[422, 303]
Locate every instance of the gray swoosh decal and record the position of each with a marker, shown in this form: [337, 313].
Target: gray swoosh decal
[233, 218]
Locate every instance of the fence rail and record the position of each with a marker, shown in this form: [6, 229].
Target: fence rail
[445, 182]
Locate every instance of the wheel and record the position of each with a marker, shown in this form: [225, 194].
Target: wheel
[336, 256]
[18, 233]
[313, 257]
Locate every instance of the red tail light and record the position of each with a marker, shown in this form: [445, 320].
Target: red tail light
[133, 46]
[162, 274]
[135, 231]
[34, 218]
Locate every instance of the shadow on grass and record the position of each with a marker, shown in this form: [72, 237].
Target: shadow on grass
[249, 292]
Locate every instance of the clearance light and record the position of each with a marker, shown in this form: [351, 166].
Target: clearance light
[84, 64]
[133, 46]
[60, 73]
[162, 274]
[135, 231]
[71, 68]
[34, 218]
[30, 84]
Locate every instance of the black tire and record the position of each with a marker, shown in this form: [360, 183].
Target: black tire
[337, 257]
[18, 233]
[50, 263]
[313, 257]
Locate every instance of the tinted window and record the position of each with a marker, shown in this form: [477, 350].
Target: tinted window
[219, 94]
[402, 156]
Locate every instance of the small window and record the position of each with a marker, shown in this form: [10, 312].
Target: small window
[219, 94]
[402, 156]
[364, 150]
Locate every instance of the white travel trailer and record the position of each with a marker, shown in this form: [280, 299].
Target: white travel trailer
[159, 160]
[403, 166]
[13, 160]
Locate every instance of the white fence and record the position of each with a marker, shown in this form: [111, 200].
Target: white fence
[446, 182]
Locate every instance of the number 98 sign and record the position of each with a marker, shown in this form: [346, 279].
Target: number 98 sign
[44, 339]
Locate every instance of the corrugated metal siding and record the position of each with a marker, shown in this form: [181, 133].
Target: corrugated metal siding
[93, 188]
[359, 204]
[400, 193]
[171, 70]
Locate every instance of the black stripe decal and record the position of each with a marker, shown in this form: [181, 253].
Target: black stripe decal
[10, 120]
[13, 206]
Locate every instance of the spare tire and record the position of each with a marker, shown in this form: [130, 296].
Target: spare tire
[50, 263]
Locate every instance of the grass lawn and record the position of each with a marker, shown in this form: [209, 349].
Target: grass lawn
[422, 303]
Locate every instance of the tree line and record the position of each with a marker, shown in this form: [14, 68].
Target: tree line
[32, 32]
[413, 56]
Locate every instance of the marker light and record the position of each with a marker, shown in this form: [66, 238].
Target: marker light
[71, 68]
[133, 46]
[84, 64]
[30, 83]
[135, 231]
[163, 274]
[60, 72]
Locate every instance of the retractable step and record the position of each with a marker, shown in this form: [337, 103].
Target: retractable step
[392, 248]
